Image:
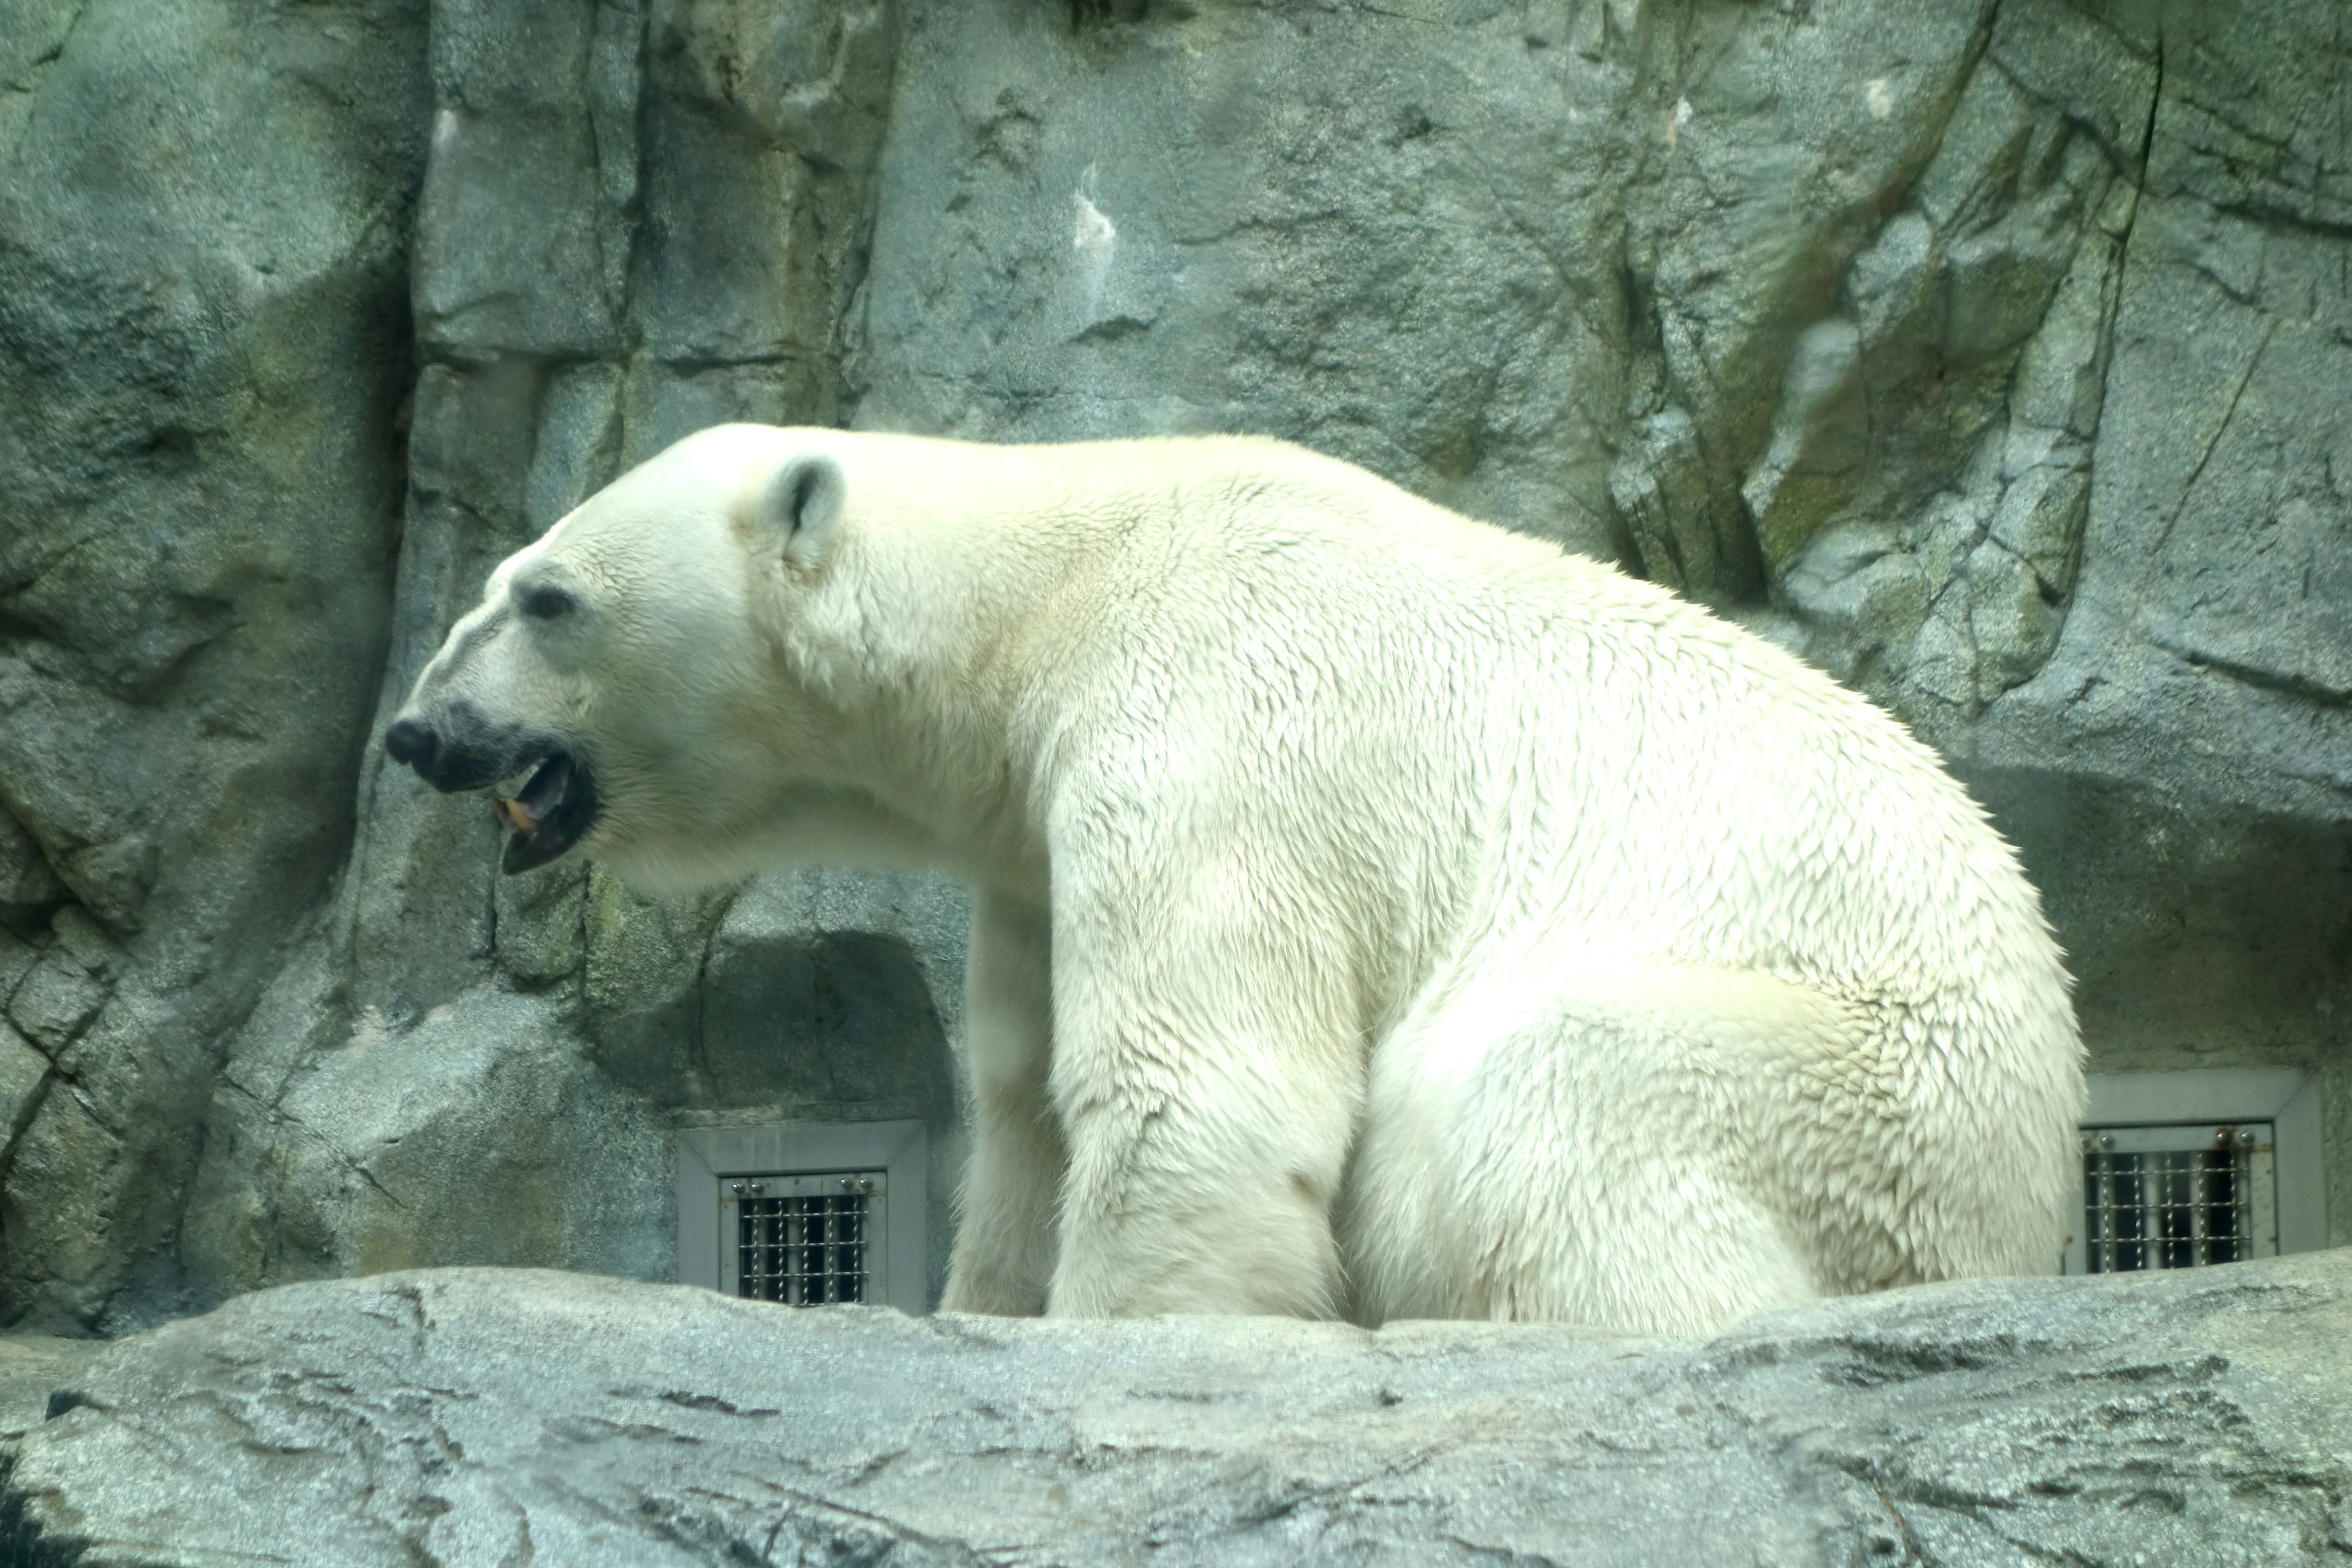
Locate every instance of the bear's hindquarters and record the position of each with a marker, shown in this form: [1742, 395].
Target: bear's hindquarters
[1659, 1148]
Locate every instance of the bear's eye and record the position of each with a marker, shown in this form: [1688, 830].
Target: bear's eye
[546, 602]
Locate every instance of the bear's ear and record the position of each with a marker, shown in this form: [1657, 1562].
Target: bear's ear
[799, 505]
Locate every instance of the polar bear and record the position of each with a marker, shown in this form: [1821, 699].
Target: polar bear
[1376, 913]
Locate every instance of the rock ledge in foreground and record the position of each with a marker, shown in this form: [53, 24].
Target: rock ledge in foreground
[488, 1417]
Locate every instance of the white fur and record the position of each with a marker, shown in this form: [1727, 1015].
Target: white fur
[1376, 913]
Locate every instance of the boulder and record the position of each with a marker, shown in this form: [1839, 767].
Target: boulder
[481, 1417]
[32, 1367]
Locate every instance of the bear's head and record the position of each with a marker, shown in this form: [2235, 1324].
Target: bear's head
[629, 682]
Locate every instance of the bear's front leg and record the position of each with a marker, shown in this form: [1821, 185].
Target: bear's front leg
[1208, 1070]
[1004, 1256]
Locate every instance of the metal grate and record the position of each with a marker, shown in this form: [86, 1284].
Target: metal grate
[805, 1240]
[2177, 1197]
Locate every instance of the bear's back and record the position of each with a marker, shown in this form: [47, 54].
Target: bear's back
[1666, 777]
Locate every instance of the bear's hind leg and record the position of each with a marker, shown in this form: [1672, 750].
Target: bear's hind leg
[1584, 1155]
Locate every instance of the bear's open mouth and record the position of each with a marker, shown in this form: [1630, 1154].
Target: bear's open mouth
[553, 810]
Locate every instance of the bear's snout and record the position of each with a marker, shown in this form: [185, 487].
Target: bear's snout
[412, 743]
[453, 750]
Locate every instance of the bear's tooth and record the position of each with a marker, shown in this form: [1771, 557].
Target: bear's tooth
[514, 813]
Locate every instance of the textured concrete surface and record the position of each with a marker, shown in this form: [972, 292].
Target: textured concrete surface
[486, 1416]
[33, 1367]
[1991, 354]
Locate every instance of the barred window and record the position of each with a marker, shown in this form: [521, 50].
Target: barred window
[804, 1240]
[2177, 1197]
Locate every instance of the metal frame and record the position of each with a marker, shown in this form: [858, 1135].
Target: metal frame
[772, 1219]
[2174, 1190]
[895, 1152]
[2287, 1099]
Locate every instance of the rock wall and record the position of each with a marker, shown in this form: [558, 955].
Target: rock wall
[1992, 356]
[204, 344]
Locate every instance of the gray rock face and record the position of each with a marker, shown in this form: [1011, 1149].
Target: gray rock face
[203, 345]
[32, 1367]
[1993, 356]
[481, 1417]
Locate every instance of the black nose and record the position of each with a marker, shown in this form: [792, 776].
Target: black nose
[412, 742]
